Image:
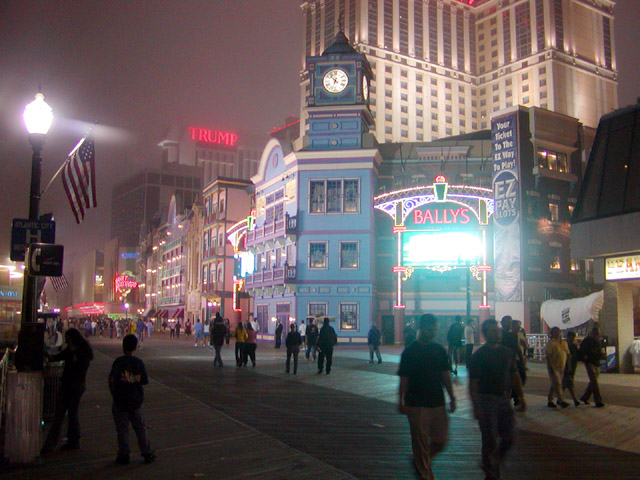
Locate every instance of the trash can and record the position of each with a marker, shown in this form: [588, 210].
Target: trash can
[52, 373]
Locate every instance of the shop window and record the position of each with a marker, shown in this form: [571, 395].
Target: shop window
[349, 316]
[554, 212]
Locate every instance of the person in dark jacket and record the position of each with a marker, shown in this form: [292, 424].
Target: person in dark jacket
[279, 329]
[128, 375]
[590, 352]
[312, 340]
[77, 357]
[327, 339]
[454, 339]
[373, 340]
[218, 336]
[293, 342]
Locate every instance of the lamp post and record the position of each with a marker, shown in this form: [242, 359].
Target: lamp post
[126, 311]
[37, 118]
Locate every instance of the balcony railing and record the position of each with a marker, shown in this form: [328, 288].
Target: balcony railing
[271, 277]
[274, 229]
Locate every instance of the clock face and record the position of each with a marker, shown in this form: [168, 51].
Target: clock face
[335, 81]
[365, 88]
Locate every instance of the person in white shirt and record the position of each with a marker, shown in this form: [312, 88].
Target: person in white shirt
[302, 330]
[469, 338]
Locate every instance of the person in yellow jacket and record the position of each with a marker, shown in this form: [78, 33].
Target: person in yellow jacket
[557, 354]
[241, 337]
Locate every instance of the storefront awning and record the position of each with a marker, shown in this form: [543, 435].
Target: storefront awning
[175, 312]
[150, 312]
[161, 314]
[573, 312]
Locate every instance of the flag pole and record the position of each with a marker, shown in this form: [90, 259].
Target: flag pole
[62, 166]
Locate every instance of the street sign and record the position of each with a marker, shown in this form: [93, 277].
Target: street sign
[45, 260]
[25, 232]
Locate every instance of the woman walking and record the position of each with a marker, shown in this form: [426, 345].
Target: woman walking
[77, 357]
[293, 342]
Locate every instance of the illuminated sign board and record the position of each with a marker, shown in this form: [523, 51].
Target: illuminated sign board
[125, 282]
[214, 137]
[420, 248]
[622, 268]
[441, 216]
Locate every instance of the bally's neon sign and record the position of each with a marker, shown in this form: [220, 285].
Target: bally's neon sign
[445, 216]
[215, 137]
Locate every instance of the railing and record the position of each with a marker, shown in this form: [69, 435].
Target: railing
[277, 228]
[271, 277]
[538, 343]
[4, 368]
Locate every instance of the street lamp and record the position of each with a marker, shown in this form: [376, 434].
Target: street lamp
[126, 311]
[37, 118]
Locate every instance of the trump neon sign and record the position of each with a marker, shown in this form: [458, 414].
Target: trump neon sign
[215, 137]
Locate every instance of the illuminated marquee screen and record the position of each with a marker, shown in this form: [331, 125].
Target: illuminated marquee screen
[441, 234]
[422, 248]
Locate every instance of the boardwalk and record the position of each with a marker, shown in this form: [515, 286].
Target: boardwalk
[250, 423]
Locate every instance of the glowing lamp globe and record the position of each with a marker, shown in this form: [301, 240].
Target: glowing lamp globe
[38, 116]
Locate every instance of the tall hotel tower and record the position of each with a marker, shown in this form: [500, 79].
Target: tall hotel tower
[442, 67]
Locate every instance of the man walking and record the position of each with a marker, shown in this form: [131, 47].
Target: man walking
[373, 340]
[312, 340]
[424, 370]
[217, 338]
[302, 331]
[126, 379]
[590, 352]
[327, 339]
[557, 353]
[493, 373]
[454, 338]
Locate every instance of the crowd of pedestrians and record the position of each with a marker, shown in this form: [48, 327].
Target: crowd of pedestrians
[496, 375]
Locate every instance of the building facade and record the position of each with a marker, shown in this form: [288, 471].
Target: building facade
[444, 67]
[226, 202]
[605, 229]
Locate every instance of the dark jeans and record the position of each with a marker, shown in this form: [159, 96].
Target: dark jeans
[239, 353]
[592, 387]
[376, 349]
[68, 401]
[250, 353]
[311, 349]
[218, 358]
[293, 351]
[122, 419]
[278, 340]
[328, 353]
[497, 424]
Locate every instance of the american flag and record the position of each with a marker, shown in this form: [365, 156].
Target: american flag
[79, 178]
[59, 283]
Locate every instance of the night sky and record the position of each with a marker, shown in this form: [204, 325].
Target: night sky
[141, 67]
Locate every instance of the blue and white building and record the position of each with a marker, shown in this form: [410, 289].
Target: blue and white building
[313, 231]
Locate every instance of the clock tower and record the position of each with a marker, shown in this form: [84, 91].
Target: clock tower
[338, 101]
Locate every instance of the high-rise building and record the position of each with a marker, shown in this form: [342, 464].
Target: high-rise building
[442, 67]
[137, 202]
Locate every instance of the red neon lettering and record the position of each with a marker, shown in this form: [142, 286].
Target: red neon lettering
[418, 218]
[213, 136]
[454, 214]
[464, 218]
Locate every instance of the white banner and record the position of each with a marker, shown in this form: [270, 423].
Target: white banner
[573, 312]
